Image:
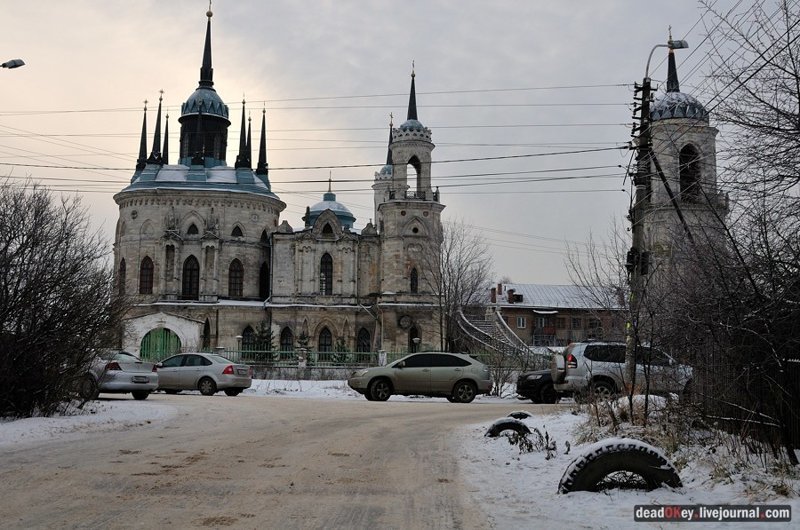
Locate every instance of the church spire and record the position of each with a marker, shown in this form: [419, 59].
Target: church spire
[389, 148]
[206, 71]
[263, 167]
[155, 154]
[672, 74]
[142, 160]
[165, 151]
[412, 98]
[243, 158]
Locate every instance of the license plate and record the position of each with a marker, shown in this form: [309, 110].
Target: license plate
[241, 372]
[140, 379]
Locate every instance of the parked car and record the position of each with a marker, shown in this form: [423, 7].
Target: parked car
[119, 372]
[207, 372]
[455, 376]
[599, 367]
[537, 386]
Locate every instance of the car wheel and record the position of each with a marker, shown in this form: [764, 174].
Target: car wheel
[451, 399]
[207, 386]
[380, 389]
[87, 388]
[464, 392]
[368, 395]
[233, 392]
[603, 390]
[140, 394]
[629, 464]
[548, 394]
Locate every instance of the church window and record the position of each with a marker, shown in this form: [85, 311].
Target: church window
[190, 288]
[235, 279]
[327, 230]
[417, 165]
[689, 174]
[237, 232]
[363, 342]
[146, 276]
[264, 238]
[326, 275]
[192, 231]
[414, 281]
[248, 339]
[263, 281]
[325, 340]
[287, 339]
[121, 277]
[413, 340]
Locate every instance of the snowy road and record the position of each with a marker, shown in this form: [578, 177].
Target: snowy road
[253, 462]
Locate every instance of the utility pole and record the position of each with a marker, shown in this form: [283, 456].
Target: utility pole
[638, 257]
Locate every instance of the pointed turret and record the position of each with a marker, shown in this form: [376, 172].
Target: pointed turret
[165, 151]
[249, 147]
[412, 99]
[155, 154]
[206, 71]
[243, 159]
[142, 160]
[389, 147]
[263, 168]
[672, 74]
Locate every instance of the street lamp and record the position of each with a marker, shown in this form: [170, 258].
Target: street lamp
[638, 258]
[13, 63]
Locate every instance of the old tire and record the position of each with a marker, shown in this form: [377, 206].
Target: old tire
[140, 394]
[507, 424]
[207, 386]
[233, 392]
[464, 392]
[619, 462]
[380, 389]
[87, 388]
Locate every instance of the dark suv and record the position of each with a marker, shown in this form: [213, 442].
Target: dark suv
[599, 367]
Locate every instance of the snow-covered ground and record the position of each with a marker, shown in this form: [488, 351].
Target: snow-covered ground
[516, 489]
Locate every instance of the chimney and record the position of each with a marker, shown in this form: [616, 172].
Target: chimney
[494, 295]
[510, 296]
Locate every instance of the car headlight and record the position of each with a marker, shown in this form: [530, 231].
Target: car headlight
[360, 373]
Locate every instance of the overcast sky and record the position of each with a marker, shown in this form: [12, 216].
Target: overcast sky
[548, 83]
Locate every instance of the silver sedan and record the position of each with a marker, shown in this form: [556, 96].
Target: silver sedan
[119, 373]
[207, 372]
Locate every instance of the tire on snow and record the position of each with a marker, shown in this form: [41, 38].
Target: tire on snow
[505, 424]
[609, 456]
[519, 414]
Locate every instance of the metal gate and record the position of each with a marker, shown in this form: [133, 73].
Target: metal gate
[159, 343]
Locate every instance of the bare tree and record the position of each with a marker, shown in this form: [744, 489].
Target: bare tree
[460, 272]
[56, 304]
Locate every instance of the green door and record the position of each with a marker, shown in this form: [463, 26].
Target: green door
[159, 343]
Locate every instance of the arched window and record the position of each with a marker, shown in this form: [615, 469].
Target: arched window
[248, 339]
[263, 281]
[287, 339]
[325, 340]
[146, 276]
[414, 281]
[326, 275]
[190, 286]
[690, 174]
[417, 165]
[206, 336]
[121, 277]
[192, 231]
[235, 279]
[363, 341]
[327, 230]
[413, 345]
[237, 232]
[264, 238]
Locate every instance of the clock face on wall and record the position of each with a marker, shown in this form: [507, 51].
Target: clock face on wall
[405, 321]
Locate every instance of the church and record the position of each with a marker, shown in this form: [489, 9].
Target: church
[205, 261]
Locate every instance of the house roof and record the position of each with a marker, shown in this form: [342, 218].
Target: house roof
[550, 297]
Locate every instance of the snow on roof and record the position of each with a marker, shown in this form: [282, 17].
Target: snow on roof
[558, 296]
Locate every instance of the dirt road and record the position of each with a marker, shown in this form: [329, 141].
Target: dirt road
[252, 462]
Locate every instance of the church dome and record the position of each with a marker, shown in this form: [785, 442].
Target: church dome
[412, 125]
[329, 202]
[207, 100]
[385, 173]
[677, 105]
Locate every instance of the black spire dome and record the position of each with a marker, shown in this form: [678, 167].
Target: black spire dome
[206, 71]
[155, 154]
[243, 158]
[412, 98]
[672, 74]
[165, 152]
[142, 160]
[263, 167]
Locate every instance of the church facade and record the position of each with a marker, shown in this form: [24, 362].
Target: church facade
[204, 258]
